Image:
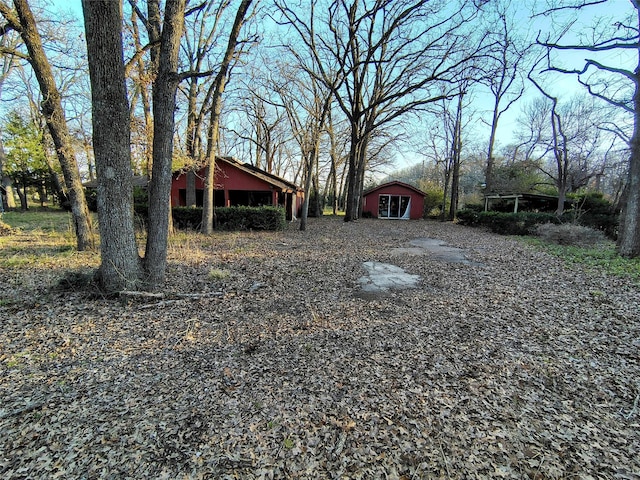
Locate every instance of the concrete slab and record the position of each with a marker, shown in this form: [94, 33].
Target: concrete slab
[382, 277]
[436, 249]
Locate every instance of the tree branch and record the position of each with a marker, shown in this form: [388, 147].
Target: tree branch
[194, 74]
[610, 101]
[14, 53]
[599, 47]
[13, 22]
[569, 7]
[598, 65]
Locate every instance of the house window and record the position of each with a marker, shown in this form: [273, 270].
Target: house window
[394, 206]
[182, 194]
[250, 198]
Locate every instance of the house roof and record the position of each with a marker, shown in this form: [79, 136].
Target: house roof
[281, 183]
[394, 183]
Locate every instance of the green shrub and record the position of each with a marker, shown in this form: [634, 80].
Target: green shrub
[233, 218]
[432, 201]
[592, 202]
[607, 223]
[140, 200]
[591, 210]
[523, 223]
[594, 211]
[468, 217]
[475, 207]
[187, 217]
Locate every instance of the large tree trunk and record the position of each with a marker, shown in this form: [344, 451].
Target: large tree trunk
[55, 118]
[8, 200]
[191, 143]
[456, 153]
[629, 236]
[120, 267]
[164, 103]
[351, 202]
[22, 195]
[304, 214]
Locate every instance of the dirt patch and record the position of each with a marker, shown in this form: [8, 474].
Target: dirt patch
[519, 368]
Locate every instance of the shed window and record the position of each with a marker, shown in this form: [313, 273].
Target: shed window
[394, 206]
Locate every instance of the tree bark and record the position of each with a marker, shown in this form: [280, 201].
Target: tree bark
[456, 153]
[164, 103]
[120, 267]
[55, 117]
[629, 236]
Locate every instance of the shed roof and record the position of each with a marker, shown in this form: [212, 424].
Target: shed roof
[394, 183]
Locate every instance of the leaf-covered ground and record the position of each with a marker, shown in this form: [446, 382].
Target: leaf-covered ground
[277, 365]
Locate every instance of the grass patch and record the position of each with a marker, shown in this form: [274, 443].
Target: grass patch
[600, 258]
[217, 274]
[42, 239]
[328, 211]
[49, 220]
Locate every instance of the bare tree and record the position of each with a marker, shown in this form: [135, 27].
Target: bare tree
[504, 77]
[142, 78]
[218, 87]
[200, 38]
[263, 127]
[337, 157]
[382, 60]
[615, 84]
[23, 21]
[562, 140]
[307, 102]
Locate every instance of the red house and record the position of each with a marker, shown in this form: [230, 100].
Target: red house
[394, 200]
[239, 184]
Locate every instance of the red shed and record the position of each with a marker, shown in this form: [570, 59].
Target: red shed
[239, 184]
[394, 200]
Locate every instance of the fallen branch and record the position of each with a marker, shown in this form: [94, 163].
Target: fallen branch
[199, 295]
[634, 409]
[180, 298]
[158, 304]
[136, 294]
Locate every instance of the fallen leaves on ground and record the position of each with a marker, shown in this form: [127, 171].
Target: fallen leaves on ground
[513, 366]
